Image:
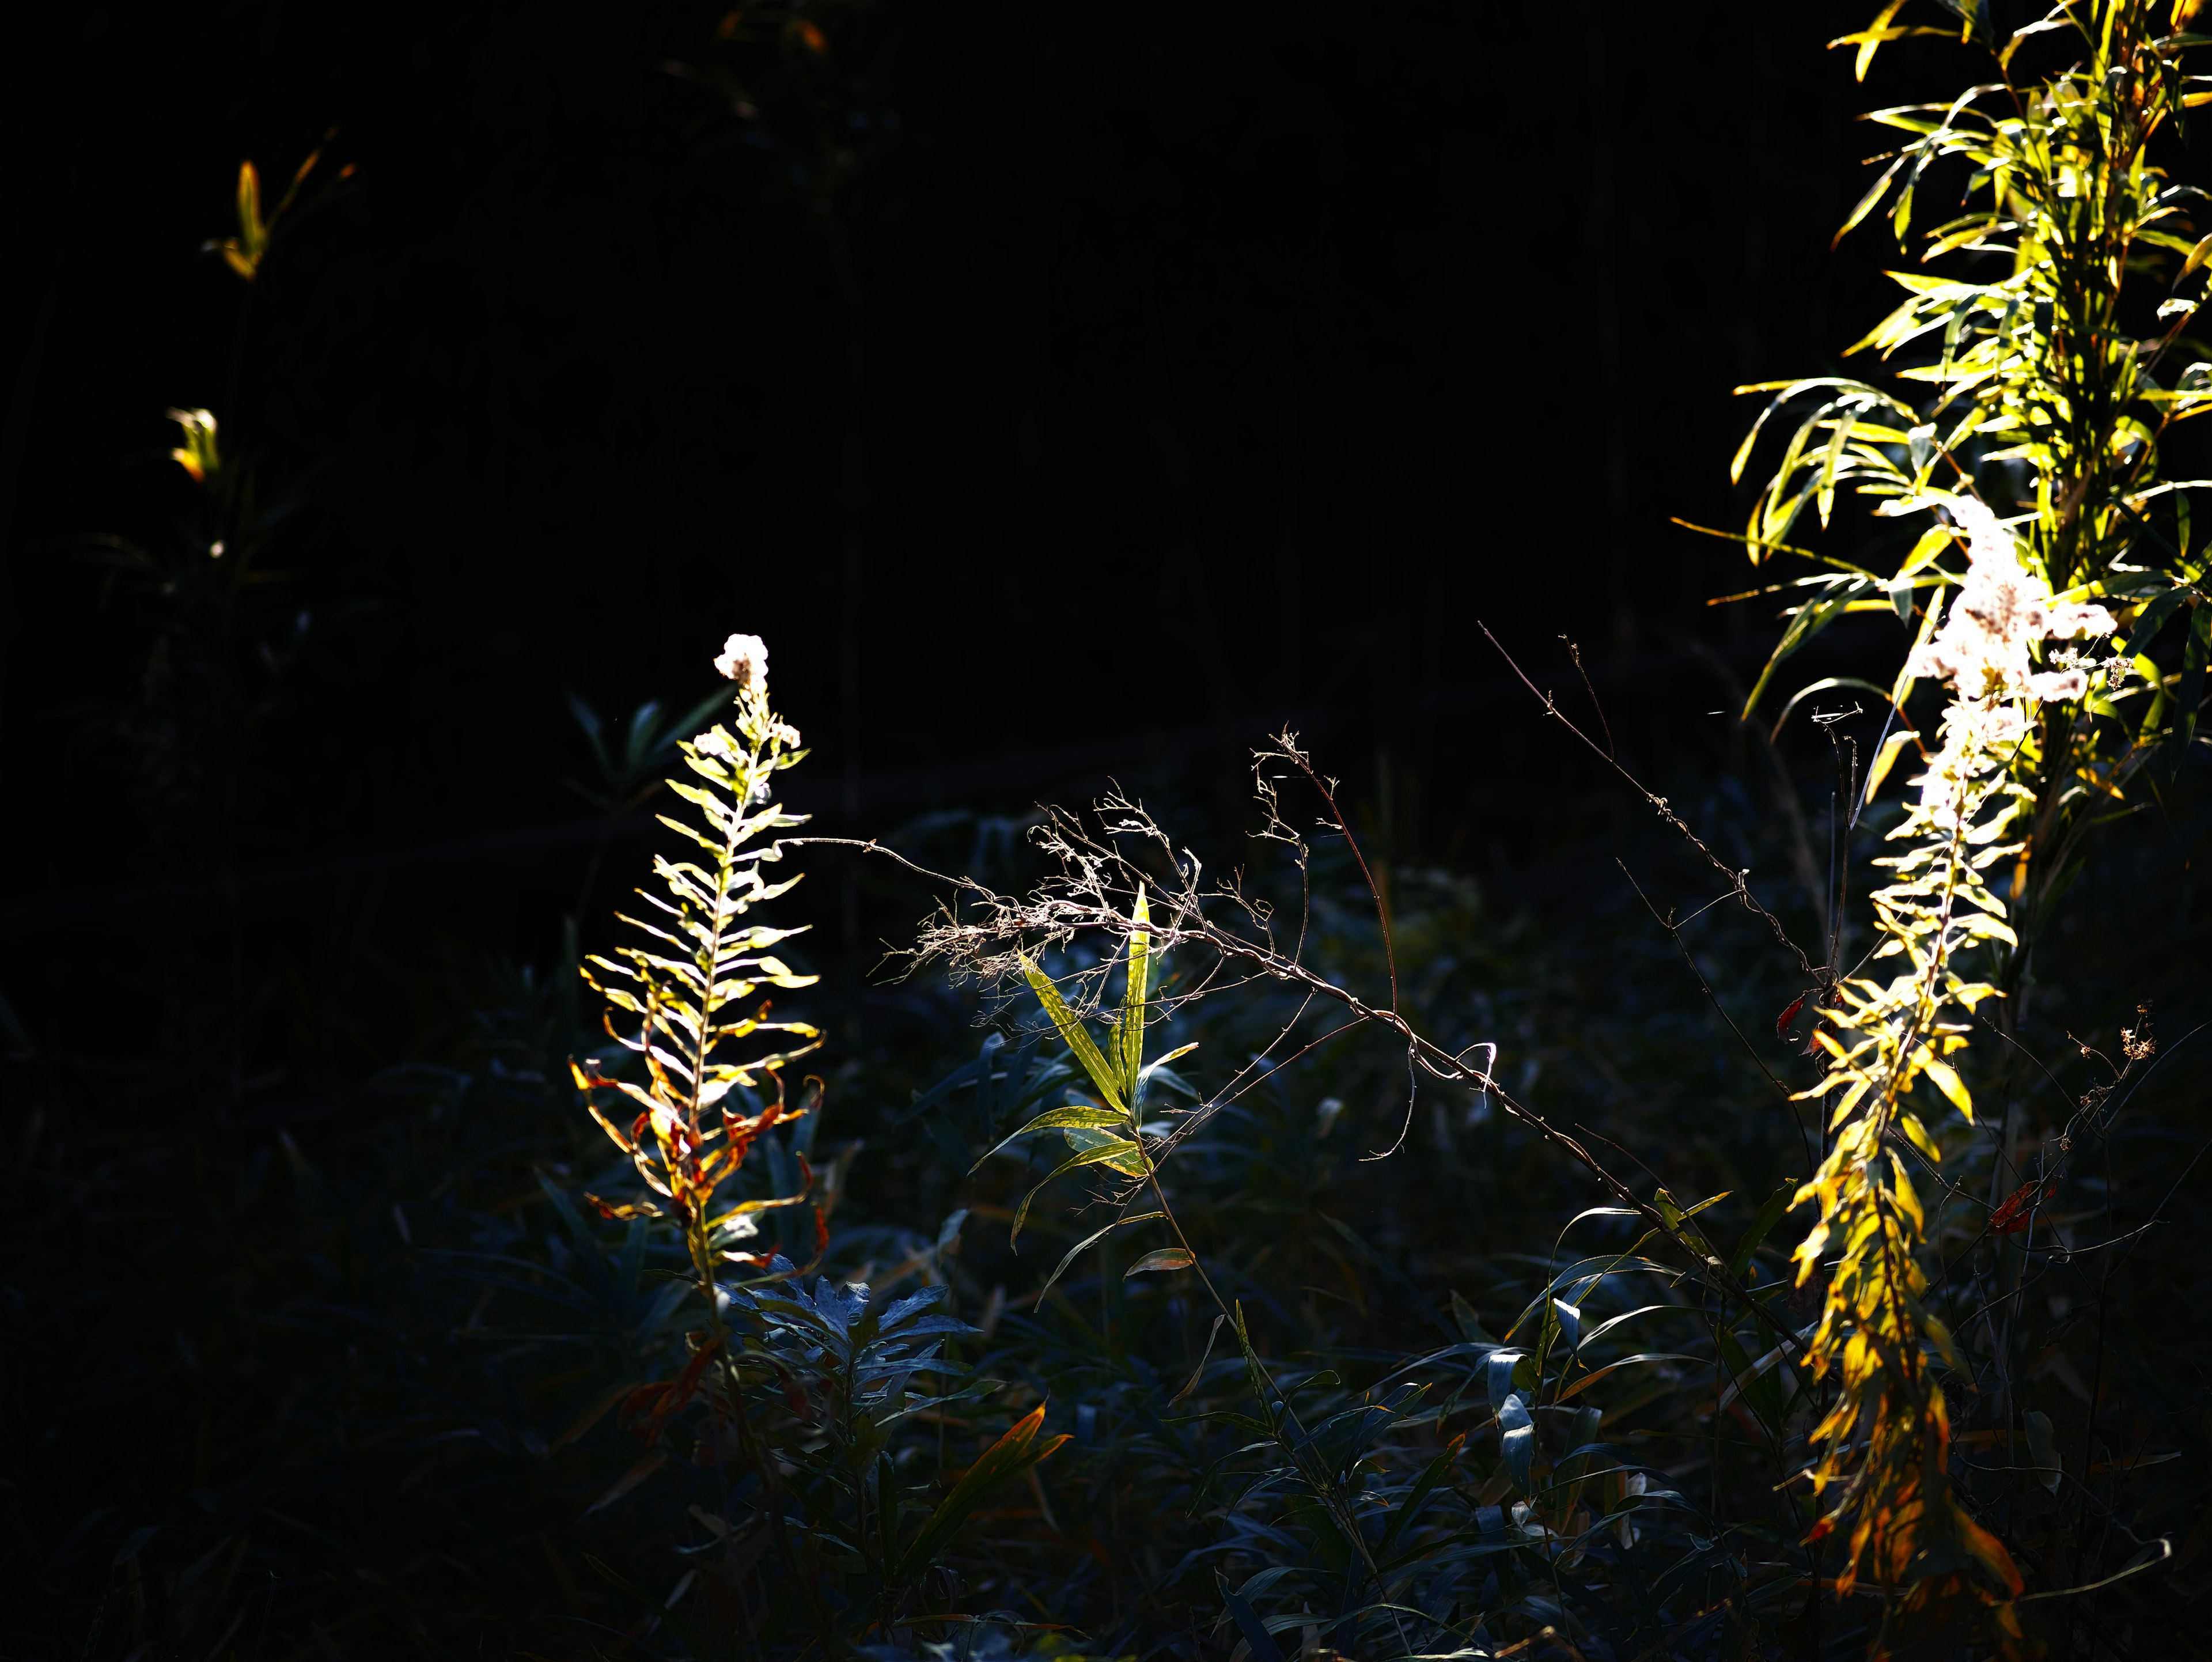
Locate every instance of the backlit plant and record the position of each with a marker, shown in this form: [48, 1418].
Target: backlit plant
[2039, 384]
[806, 1386]
[686, 990]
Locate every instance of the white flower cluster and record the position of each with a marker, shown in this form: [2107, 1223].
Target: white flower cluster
[745, 660]
[1983, 651]
[2003, 610]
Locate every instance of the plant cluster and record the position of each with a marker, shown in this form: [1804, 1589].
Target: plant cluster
[1413, 1283]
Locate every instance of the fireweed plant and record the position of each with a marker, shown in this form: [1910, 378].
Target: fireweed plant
[800, 1385]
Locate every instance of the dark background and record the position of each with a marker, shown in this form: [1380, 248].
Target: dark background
[1059, 389]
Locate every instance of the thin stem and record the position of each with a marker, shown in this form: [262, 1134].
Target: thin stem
[1382, 906]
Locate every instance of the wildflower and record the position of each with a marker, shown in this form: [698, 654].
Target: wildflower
[2002, 612]
[2058, 686]
[745, 660]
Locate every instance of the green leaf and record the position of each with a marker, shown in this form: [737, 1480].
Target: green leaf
[1812, 618]
[1129, 1027]
[1866, 203]
[1061, 1119]
[1263, 1385]
[1470, 1325]
[1517, 1442]
[1762, 1226]
[1885, 759]
[1117, 1149]
[693, 1645]
[1675, 1215]
[1435, 1472]
[1869, 39]
[1011, 1455]
[2192, 692]
[1257, 1639]
[1089, 1241]
[1328, 1538]
[1829, 463]
[1756, 1382]
[1159, 1065]
[1074, 1035]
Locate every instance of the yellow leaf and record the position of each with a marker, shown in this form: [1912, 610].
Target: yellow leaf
[1869, 39]
[1072, 1034]
[1947, 1081]
[1885, 757]
[1908, 1198]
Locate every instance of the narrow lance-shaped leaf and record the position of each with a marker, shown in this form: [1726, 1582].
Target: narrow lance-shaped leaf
[2190, 693]
[1011, 1455]
[1074, 1034]
[1088, 1242]
[1129, 1029]
[1118, 1149]
[1061, 1119]
[1167, 1258]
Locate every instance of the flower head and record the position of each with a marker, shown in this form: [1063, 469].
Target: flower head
[2002, 612]
[745, 660]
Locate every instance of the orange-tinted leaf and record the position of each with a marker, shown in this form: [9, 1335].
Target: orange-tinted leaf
[1167, 1258]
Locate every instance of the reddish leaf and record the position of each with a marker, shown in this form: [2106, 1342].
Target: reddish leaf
[639, 1403]
[2012, 1214]
[1782, 1022]
[656, 1404]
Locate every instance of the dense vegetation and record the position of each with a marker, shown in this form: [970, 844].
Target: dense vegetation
[1229, 1227]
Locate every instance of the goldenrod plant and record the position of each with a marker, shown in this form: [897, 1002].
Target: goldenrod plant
[2039, 370]
[1885, 1440]
[2039, 374]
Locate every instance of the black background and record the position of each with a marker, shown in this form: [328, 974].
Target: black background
[1031, 377]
